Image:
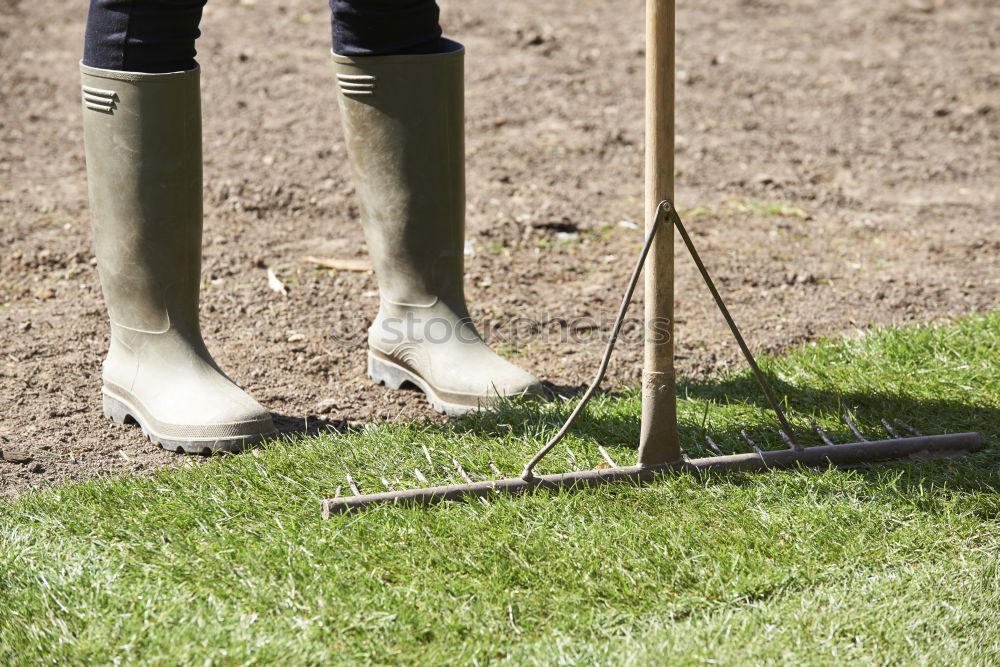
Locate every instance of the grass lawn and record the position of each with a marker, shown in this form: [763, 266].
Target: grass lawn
[230, 562]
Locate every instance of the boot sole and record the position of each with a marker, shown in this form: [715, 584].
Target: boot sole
[394, 376]
[120, 412]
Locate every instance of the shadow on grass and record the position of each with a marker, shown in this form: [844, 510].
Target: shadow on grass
[977, 472]
[288, 426]
[801, 405]
[866, 408]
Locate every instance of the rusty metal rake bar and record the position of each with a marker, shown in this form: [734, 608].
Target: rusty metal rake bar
[845, 455]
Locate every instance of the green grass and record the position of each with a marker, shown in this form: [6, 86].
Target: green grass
[230, 562]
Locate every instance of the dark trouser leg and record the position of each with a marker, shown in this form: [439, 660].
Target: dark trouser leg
[151, 36]
[385, 27]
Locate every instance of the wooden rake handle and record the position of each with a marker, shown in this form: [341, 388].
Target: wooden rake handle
[658, 442]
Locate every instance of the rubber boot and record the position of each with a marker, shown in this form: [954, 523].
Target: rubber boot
[403, 119]
[143, 142]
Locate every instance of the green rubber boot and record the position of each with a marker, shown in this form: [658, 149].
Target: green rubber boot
[403, 118]
[143, 143]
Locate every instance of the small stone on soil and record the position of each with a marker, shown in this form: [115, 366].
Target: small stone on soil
[14, 456]
[326, 406]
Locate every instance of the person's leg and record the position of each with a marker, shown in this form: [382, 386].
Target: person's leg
[154, 36]
[403, 117]
[385, 27]
[142, 133]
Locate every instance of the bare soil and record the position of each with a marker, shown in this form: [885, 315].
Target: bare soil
[838, 162]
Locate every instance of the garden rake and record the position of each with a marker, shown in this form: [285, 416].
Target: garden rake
[659, 446]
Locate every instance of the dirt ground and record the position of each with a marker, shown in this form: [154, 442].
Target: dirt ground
[839, 162]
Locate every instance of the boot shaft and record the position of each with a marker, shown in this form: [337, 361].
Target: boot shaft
[142, 134]
[403, 119]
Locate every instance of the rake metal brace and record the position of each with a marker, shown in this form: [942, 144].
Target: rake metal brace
[659, 445]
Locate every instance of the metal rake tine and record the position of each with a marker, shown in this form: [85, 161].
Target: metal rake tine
[789, 441]
[714, 446]
[854, 429]
[893, 433]
[822, 434]
[571, 455]
[607, 457]
[336, 493]
[496, 471]
[908, 427]
[684, 454]
[749, 441]
[420, 476]
[427, 454]
[388, 484]
[353, 484]
[461, 470]
[465, 476]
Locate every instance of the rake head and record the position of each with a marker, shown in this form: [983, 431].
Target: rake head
[863, 451]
